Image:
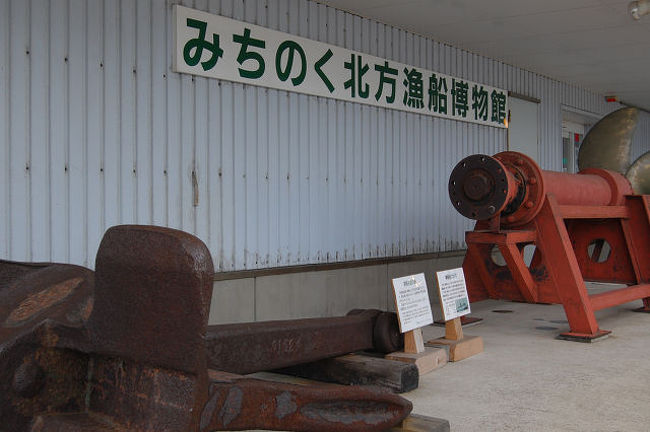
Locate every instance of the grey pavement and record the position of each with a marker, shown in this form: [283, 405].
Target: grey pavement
[526, 380]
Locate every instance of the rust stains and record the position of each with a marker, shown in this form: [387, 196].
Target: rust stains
[39, 301]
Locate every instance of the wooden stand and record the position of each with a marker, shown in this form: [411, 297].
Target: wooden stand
[426, 359]
[460, 347]
[413, 341]
[420, 423]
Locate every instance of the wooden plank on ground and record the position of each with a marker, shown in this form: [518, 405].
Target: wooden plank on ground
[420, 423]
[356, 369]
[427, 361]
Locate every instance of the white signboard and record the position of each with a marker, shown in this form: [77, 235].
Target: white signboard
[453, 293]
[217, 47]
[412, 301]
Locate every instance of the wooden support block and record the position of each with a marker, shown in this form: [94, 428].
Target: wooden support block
[460, 349]
[354, 369]
[453, 329]
[420, 423]
[430, 359]
[413, 341]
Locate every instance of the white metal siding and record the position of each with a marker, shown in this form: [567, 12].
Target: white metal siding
[95, 130]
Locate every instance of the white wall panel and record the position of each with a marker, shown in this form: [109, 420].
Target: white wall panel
[77, 148]
[57, 113]
[5, 100]
[94, 134]
[19, 143]
[39, 146]
[96, 130]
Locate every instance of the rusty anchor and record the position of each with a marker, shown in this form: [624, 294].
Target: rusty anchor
[127, 348]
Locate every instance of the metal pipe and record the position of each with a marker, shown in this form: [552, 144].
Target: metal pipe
[259, 346]
[585, 190]
[512, 185]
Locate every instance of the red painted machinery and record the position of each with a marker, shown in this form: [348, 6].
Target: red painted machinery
[585, 227]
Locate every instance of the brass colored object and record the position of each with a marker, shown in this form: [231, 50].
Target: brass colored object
[639, 174]
[607, 144]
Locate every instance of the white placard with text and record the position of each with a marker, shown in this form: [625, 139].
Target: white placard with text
[453, 293]
[412, 301]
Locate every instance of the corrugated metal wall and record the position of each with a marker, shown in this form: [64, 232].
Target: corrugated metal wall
[95, 130]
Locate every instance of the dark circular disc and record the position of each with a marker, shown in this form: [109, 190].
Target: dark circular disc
[478, 187]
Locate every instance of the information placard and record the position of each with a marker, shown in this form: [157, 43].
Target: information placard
[453, 293]
[412, 301]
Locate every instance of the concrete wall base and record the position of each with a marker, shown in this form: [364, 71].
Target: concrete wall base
[314, 294]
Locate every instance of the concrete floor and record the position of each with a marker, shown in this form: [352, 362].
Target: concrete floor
[526, 380]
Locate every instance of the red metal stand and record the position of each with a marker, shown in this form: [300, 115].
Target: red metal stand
[571, 247]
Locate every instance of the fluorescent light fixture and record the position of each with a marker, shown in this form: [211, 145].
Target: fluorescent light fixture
[639, 8]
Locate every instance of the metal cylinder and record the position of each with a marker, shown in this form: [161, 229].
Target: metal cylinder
[512, 185]
[253, 347]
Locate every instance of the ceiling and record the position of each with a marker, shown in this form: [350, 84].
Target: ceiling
[593, 43]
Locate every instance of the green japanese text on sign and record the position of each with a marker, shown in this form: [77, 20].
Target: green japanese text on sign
[217, 47]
